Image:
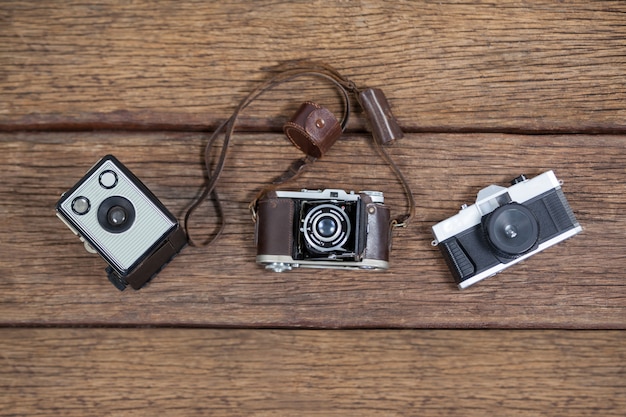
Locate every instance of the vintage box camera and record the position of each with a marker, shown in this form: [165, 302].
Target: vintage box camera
[505, 226]
[116, 216]
[323, 229]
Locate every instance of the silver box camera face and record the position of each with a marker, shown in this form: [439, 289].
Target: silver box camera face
[116, 216]
[505, 226]
[322, 229]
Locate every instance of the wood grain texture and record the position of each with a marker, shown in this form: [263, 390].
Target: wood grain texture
[47, 278]
[446, 66]
[162, 74]
[136, 372]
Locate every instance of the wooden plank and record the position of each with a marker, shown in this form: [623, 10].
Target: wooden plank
[47, 278]
[98, 372]
[446, 66]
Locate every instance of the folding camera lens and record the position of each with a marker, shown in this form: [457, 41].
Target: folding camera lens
[326, 228]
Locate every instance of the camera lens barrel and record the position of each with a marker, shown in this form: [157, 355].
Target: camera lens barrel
[512, 230]
[116, 214]
[326, 228]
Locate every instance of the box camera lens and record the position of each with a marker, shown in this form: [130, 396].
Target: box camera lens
[116, 216]
[512, 230]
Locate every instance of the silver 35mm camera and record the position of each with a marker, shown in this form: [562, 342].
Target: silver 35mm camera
[117, 217]
[505, 226]
[323, 229]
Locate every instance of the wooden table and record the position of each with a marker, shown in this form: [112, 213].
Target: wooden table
[484, 92]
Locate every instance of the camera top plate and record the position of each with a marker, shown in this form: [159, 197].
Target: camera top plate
[489, 199]
[331, 194]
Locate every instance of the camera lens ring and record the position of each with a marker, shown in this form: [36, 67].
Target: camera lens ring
[326, 226]
[116, 214]
[512, 230]
[315, 231]
[81, 205]
[108, 179]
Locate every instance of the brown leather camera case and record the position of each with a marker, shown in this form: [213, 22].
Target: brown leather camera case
[275, 228]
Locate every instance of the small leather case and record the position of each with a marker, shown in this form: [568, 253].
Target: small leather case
[313, 129]
[384, 126]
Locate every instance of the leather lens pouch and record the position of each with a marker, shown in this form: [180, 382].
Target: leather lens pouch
[313, 129]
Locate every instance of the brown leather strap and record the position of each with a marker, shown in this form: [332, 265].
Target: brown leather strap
[382, 123]
[296, 169]
[301, 165]
[288, 72]
[385, 130]
[208, 189]
[400, 221]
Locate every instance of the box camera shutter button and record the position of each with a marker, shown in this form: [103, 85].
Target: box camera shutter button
[108, 179]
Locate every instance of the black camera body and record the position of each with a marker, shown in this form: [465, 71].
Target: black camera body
[505, 226]
[322, 229]
[116, 216]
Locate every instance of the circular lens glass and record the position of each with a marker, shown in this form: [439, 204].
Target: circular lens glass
[326, 227]
[512, 230]
[116, 214]
[81, 205]
[108, 179]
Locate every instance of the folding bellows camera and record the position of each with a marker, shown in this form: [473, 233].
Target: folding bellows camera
[323, 229]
